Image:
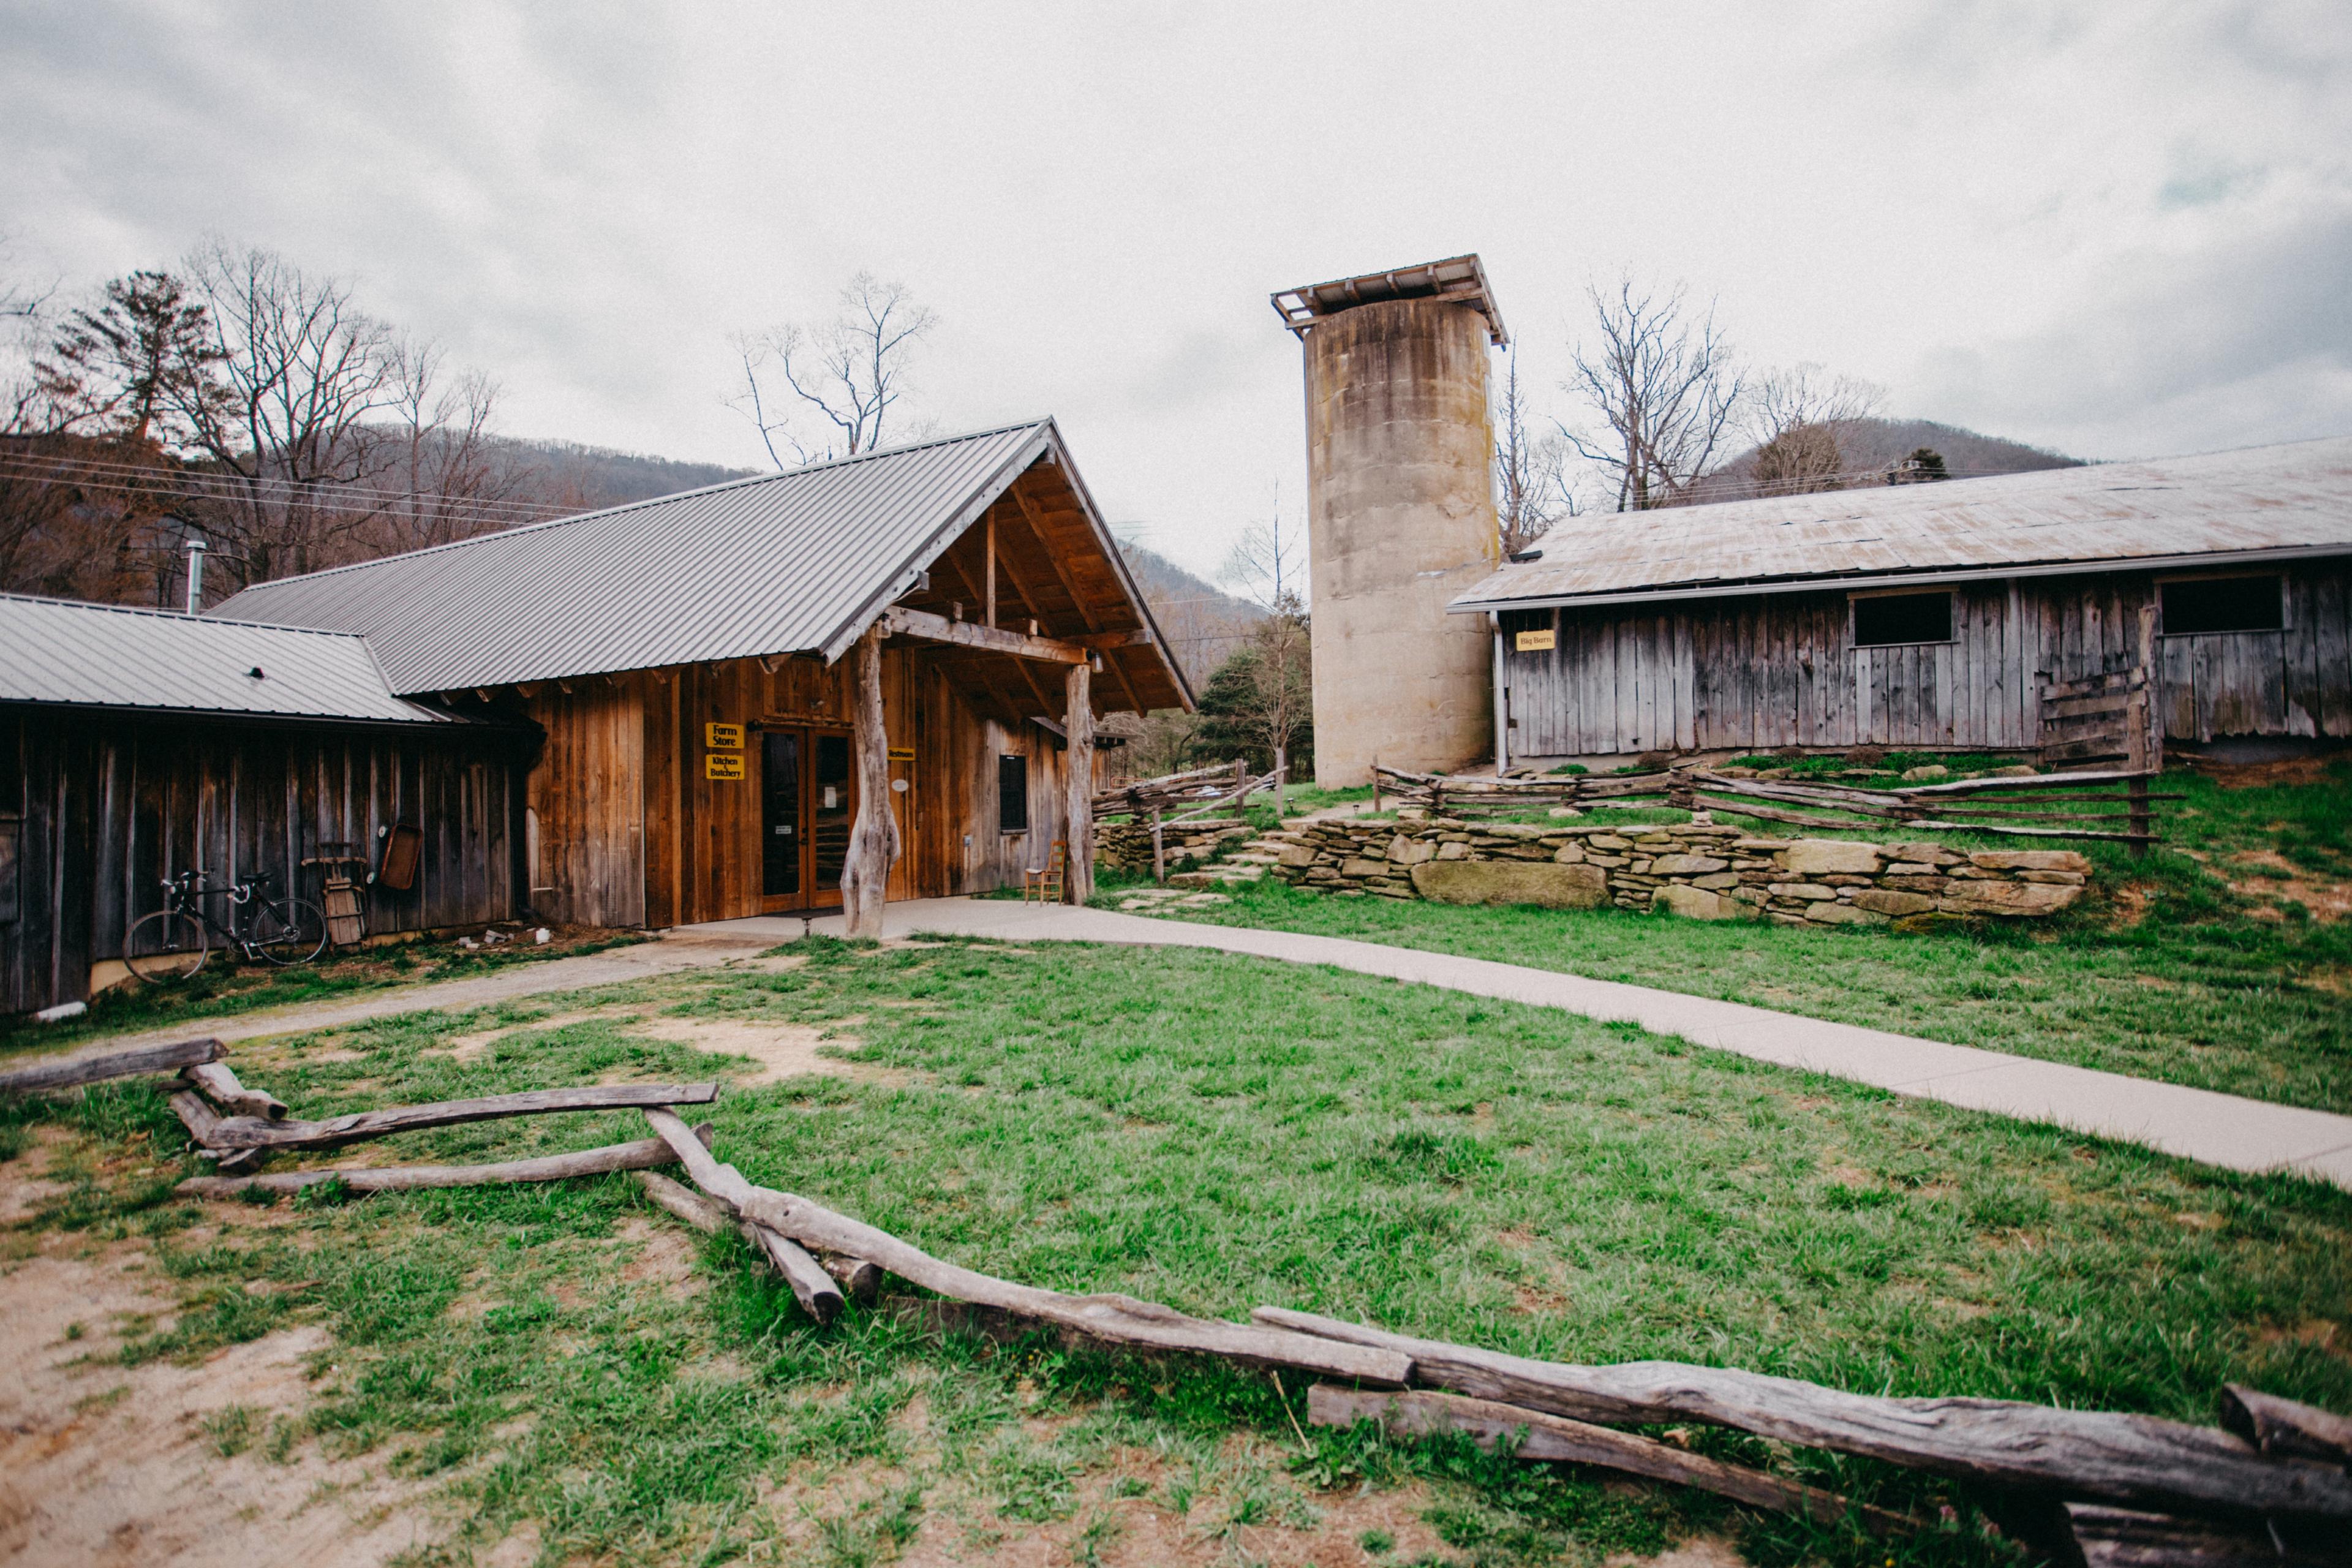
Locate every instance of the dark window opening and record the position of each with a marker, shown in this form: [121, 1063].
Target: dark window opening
[2222, 604]
[1013, 795]
[1889, 619]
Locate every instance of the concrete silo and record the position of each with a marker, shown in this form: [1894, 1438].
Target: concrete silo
[1401, 514]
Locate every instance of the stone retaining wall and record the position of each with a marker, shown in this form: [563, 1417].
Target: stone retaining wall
[1699, 870]
[1127, 845]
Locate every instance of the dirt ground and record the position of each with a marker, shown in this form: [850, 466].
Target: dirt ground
[102, 1464]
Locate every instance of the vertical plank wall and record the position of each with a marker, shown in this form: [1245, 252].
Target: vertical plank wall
[701, 836]
[98, 811]
[1765, 671]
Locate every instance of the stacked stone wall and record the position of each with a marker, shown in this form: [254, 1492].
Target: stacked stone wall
[1699, 870]
[1127, 845]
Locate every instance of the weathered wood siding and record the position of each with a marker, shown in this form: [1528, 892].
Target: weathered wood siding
[630, 831]
[1781, 671]
[96, 812]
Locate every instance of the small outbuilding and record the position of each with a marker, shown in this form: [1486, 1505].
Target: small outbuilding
[1980, 615]
[137, 744]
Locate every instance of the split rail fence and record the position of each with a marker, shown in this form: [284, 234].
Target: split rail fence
[2114, 804]
[1151, 800]
[2271, 1484]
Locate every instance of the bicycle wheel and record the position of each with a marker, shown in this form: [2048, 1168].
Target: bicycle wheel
[289, 931]
[165, 945]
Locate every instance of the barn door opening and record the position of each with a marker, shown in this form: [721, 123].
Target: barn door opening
[804, 817]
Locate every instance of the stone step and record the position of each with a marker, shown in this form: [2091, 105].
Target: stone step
[1252, 857]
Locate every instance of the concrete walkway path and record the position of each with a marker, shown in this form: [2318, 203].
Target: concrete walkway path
[2197, 1124]
[673, 951]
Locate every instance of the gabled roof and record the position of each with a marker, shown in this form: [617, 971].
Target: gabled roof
[63, 653]
[792, 563]
[2260, 503]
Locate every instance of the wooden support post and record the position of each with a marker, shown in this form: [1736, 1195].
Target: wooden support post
[874, 840]
[1159, 851]
[989, 576]
[1078, 718]
[2143, 726]
[1502, 701]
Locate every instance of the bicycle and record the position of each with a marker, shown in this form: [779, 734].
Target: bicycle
[174, 942]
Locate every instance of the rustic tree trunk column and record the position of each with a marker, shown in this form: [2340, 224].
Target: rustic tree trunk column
[1079, 720]
[874, 840]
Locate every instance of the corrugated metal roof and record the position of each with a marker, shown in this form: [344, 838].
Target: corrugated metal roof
[789, 563]
[2281, 501]
[64, 653]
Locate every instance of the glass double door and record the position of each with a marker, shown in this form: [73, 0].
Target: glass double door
[806, 814]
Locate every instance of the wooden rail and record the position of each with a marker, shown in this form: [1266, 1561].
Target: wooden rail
[2116, 805]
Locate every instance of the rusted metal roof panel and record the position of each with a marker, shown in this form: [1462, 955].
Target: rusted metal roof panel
[2283, 501]
[62, 653]
[790, 562]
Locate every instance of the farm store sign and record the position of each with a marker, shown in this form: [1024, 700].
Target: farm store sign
[722, 764]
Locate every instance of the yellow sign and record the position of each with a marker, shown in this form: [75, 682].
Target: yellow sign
[902, 753]
[722, 765]
[1535, 642]
[723, 738]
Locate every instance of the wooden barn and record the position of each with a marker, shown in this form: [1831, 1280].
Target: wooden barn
[136, 744]
[692, 665]
[1971, 615]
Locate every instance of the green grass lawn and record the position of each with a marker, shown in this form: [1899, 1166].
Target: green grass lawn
[2201, 963]
[1208, 1130]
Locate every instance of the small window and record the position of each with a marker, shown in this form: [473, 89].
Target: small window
[2222, 604]
[1885, 620]
[1013, 795]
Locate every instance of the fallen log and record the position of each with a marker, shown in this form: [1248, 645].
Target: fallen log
[70, 1072]
[1113, 1319]
[1418, 1414]
[2126, 1538]
[813, 1287]
[254, 1133]
[2284, 1428]
[633, 1157]
[217, 1083]
[859, 1280]
[2093, 1454]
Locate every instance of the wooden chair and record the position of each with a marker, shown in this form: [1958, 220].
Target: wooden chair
[1047, 879]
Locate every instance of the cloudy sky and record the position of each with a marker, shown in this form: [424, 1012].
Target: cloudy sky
[2114, 229]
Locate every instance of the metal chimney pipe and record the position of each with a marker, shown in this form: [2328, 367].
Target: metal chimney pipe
[195, 575]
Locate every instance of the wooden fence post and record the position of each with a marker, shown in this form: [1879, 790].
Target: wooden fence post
[874, 839]
[1159, 851]
[2144, 724]
[1078, 719]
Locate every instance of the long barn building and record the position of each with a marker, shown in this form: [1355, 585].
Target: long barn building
[638, 717]
[1935, 615]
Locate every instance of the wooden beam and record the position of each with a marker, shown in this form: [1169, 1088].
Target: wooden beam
[1029, 604]
[874, 844]
[900, 621]
[254, 1133]
[990, 545]
[636, 1157]
[2138, 1461]
[1078, 718]
[1531, 1435]
[69, 1071]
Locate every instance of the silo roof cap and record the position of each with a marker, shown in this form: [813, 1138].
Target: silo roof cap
[1460, 278]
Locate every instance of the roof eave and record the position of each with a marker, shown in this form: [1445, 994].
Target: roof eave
[1752, 587]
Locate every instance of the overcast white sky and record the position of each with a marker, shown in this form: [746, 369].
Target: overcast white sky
[2116, 229]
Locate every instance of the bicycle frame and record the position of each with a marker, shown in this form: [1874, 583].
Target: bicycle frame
[188, 892]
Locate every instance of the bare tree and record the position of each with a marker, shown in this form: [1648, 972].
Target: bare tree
[437, 447]
[299, 372]
[1665, 384]
[1281, 687]
[849, 373]
[1267, 561]
[1531, 487]
[1797, 416]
